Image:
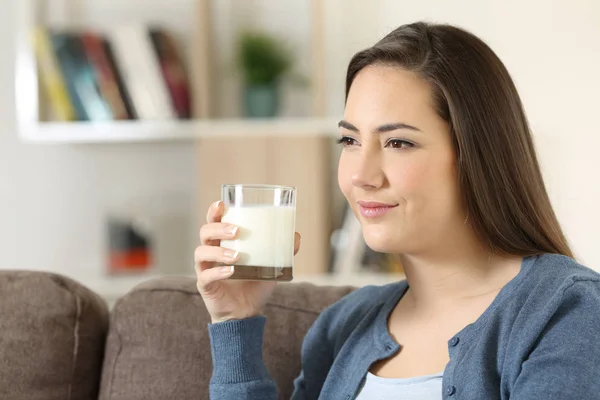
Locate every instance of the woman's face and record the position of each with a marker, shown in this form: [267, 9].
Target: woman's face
[397, 168]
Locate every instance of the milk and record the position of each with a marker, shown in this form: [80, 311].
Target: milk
[266, 236]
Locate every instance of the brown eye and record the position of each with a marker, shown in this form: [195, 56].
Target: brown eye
[399, 144]
[346, 141]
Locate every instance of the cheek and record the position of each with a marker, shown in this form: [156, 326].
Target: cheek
[425, 178]
[409, 176]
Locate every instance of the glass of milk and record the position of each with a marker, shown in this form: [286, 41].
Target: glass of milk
[266, 217]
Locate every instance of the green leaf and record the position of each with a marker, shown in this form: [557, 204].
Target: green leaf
[262, 58]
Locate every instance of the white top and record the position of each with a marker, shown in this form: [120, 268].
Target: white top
[426, 387]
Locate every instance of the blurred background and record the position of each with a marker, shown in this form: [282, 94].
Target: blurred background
[120, 119]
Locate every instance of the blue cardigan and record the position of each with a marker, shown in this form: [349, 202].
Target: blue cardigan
[539, 339]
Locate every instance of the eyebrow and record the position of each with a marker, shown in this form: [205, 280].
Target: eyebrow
[380, 129]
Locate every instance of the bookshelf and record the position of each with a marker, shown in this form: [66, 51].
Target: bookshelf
[32, 129]
[289, 151]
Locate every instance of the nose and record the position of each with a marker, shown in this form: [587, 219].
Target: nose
[368, 174]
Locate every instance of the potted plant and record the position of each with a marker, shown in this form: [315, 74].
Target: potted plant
[263, 60]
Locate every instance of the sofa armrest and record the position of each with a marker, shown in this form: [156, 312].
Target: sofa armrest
[53, 336]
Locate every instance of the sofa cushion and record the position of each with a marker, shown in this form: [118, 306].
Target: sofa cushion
[53, 336]
[158, 345]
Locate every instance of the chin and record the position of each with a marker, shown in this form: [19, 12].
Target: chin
[382, 240]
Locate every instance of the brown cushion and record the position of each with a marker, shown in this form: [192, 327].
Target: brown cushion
[52, 340]
[158, 345]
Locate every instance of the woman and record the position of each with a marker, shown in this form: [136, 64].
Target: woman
[439, 166]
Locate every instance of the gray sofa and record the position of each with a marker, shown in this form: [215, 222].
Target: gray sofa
[59, 341]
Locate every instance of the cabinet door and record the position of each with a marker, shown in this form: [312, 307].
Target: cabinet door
[298, 161]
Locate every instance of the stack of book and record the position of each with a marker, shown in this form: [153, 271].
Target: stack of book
[132, 72]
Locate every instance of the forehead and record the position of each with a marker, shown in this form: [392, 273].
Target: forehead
[381, 92]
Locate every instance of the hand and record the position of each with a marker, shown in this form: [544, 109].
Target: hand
[227, 299]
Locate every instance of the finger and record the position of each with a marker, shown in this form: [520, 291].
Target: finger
[210, 234]
[297, 240]
[208, 278]
[215, 212]
[205, 256]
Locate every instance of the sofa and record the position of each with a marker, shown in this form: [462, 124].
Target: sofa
[60, 341]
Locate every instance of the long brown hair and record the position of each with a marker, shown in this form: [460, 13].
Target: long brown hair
[499, 175]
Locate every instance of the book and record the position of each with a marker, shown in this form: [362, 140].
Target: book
[173, 71]
[125, 96]
[51, 76]
[104, 73]
[139, 65]
[80, 78]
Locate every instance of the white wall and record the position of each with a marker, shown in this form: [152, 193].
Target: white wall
[551, 48]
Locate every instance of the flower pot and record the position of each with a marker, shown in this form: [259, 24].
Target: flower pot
[261, 101]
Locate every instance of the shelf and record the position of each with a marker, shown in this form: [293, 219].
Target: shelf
[202, 49]
[157, 131]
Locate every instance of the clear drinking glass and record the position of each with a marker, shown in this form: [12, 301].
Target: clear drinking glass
[266, 217]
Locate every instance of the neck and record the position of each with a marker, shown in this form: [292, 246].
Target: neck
[456, 273]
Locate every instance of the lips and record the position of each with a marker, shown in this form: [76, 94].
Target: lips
[370, 209]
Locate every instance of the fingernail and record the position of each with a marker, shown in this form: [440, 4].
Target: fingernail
[218, 204]
[231, 254]
[227, 270]
[231, 230]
